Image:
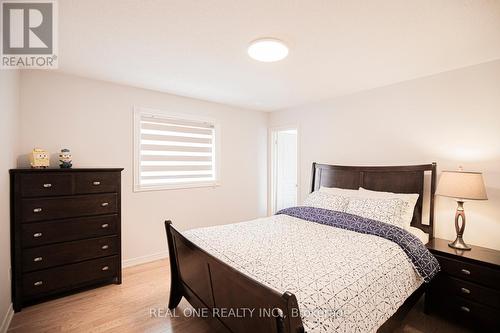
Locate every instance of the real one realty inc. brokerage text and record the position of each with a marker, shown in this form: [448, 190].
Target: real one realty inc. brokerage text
[239, 312]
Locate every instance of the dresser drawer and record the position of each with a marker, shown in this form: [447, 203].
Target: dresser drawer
[480, 317]
[64, 253]
[66, 277]
[42, 233]
[472, 272]
[46, 184]
[57, 208]
[97, 182]
[447, 285]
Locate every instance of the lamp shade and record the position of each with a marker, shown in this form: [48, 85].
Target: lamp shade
[462, 185]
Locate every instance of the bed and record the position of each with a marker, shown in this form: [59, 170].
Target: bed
[267, 275]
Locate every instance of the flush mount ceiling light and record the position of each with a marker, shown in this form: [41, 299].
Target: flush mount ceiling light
[267, 50]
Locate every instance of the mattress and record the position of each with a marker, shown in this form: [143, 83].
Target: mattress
[344, 281]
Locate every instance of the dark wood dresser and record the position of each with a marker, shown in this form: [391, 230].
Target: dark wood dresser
[468, 287]
[65, 231]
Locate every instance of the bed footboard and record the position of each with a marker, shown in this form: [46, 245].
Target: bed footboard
[217, 290]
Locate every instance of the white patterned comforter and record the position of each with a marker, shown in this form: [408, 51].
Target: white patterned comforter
[344, 281]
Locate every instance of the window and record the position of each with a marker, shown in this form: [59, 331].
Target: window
[174, 151]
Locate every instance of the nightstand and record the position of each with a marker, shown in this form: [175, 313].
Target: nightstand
[468, 287]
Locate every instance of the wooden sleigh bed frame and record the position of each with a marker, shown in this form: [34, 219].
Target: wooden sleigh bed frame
[208, 283]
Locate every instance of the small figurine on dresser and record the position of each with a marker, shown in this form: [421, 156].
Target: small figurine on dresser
[65, 159]
[39, 158]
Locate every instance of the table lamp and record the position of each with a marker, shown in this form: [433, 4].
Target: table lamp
[462, 186]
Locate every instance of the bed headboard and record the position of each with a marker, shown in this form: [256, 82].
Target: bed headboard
[398, 179]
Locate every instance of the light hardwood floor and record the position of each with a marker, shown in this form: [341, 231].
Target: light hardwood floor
[113, 308]
[127, 308]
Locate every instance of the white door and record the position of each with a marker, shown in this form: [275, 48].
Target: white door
[284, 169]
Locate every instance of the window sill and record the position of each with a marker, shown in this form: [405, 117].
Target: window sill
[138, 188]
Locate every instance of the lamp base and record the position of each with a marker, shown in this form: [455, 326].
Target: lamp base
[459, 244]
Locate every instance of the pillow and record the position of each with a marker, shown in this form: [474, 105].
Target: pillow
[419, 234]
[384, 210]
[410, 198]
[339, 191]
[326, 201]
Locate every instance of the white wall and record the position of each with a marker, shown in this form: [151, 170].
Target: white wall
[451, 118]
[95, 120]
[9, 123]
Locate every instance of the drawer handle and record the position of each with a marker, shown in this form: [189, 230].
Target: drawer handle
[465, 291]
[104, 204]
[37, 234]
[48, 185]
[96, 183]
[37, 259]
[465, 271]
[105, 225]
[38, 283]
[37, 210]
[105, 268]
[464, 309]
[105, 247]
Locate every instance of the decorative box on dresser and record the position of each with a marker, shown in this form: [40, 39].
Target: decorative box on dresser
[468, 287]
[65, 231]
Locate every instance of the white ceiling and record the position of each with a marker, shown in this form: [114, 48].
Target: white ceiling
[197, 48]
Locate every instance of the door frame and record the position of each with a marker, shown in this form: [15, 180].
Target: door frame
[271, 151]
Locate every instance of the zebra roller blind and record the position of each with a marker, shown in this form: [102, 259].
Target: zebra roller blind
[175, 152]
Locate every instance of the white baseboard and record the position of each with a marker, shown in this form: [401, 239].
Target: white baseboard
[6, 319]
[144, 259]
